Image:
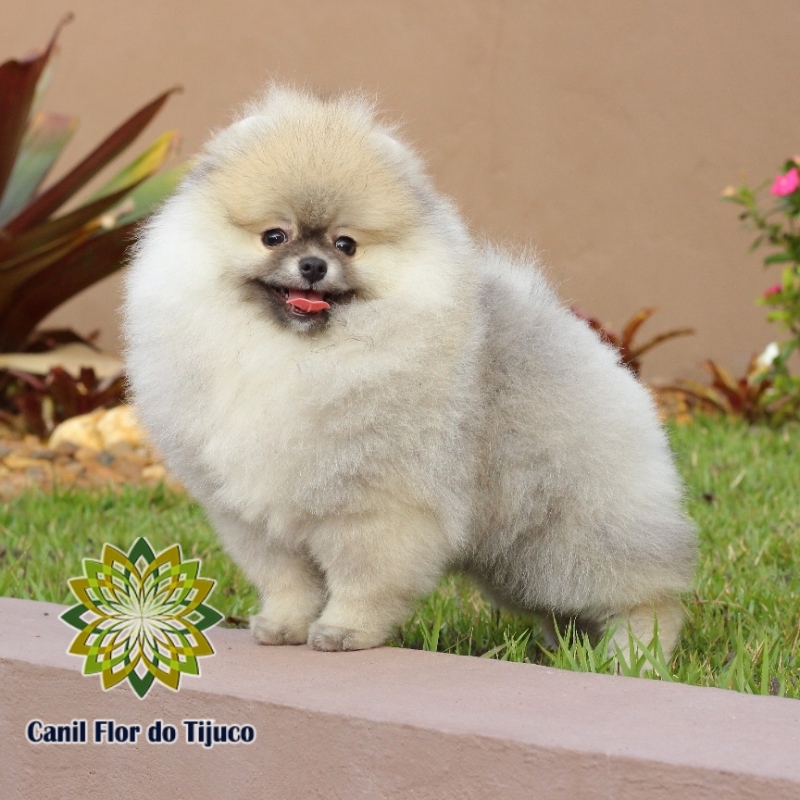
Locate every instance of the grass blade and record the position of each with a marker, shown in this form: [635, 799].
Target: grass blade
[430, 636]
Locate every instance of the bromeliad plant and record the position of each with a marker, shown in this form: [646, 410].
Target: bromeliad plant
[750, 396]
[630, 351]
[48, 255]
[43, 401]
[778, 228]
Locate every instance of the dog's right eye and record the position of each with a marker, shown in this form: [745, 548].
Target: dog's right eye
[274, 236]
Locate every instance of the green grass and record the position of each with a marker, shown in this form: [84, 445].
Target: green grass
[743, 620]
[44, 537]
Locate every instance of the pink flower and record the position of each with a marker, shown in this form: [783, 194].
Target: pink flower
[786, 184]
[773, 290]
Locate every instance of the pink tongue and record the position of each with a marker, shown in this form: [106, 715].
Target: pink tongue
[309, 301]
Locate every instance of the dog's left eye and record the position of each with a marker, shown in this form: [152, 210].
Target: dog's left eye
[274, 236]
[346, 245]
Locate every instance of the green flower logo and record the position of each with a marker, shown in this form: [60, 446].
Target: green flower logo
[140, 617]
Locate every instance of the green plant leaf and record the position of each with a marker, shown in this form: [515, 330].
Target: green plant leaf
[787, 348]
[142, 167]
[778, 258]
[152, 192]
[46, 137]
[54, 197]
[18, 81]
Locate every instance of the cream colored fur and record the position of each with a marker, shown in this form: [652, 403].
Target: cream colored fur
[454, 415]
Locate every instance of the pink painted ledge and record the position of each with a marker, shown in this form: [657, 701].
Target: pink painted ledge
[384, 723]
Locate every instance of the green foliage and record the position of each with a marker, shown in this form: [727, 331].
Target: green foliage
[458, 619]
[744, 493]
[778, 230]
[44, 536]
[47, 258]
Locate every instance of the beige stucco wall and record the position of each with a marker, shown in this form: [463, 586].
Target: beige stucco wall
[602, 133]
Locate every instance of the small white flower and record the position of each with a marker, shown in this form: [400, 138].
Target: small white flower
[771, 352]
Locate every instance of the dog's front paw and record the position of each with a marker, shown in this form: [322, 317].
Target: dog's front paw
[332, 637]
[268, 631]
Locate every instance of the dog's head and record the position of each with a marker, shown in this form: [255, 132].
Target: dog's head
[322, 206]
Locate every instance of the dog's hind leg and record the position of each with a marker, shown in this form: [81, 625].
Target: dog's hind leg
[664, 616]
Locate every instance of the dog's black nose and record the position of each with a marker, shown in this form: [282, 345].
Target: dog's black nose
[313, 269]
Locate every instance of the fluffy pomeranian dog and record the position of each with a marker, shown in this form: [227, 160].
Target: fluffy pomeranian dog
[362, 398]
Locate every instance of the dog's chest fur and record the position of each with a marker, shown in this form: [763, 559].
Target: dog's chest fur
[313, 428]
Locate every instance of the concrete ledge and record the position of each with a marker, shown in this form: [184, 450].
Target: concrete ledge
[384, 723]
